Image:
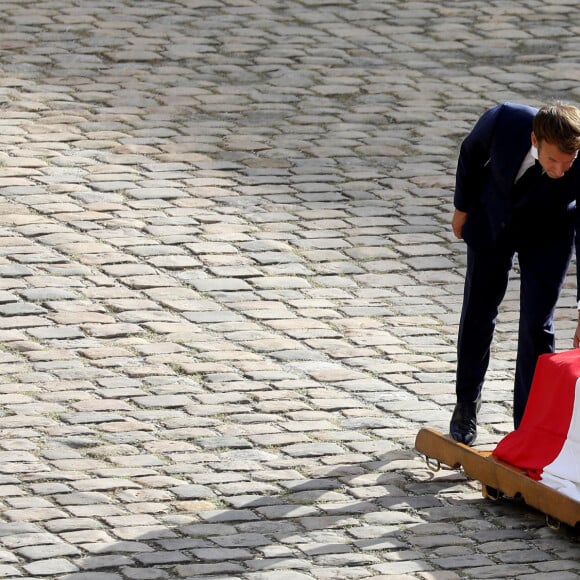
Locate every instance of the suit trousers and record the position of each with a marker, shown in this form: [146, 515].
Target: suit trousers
[543, 267]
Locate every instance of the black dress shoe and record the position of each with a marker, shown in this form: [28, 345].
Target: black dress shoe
[463, 426]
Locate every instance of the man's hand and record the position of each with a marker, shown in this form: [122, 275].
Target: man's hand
[457, 223]
[577, 334]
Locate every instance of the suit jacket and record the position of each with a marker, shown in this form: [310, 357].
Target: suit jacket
[489, 160]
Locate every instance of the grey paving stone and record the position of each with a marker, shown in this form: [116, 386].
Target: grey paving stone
[93, 576]
[51, 566]
[9, 571]
[190, 570]
[47, 551]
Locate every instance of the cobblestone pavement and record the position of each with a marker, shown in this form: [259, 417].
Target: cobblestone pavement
[229, 291]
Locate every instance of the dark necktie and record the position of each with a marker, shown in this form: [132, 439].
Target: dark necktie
[531, 174]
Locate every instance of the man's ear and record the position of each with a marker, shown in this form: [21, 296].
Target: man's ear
[534, 140]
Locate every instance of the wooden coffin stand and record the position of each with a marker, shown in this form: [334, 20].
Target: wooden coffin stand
[497, 477]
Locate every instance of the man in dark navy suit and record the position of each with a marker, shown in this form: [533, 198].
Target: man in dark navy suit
[518, 179]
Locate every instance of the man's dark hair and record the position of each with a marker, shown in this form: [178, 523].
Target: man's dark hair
[559, 124]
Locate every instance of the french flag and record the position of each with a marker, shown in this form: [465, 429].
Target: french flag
[546, 445]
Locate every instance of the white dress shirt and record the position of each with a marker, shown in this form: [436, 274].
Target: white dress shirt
[528, 161]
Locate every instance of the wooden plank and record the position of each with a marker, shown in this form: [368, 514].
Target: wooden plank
[497, 477]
